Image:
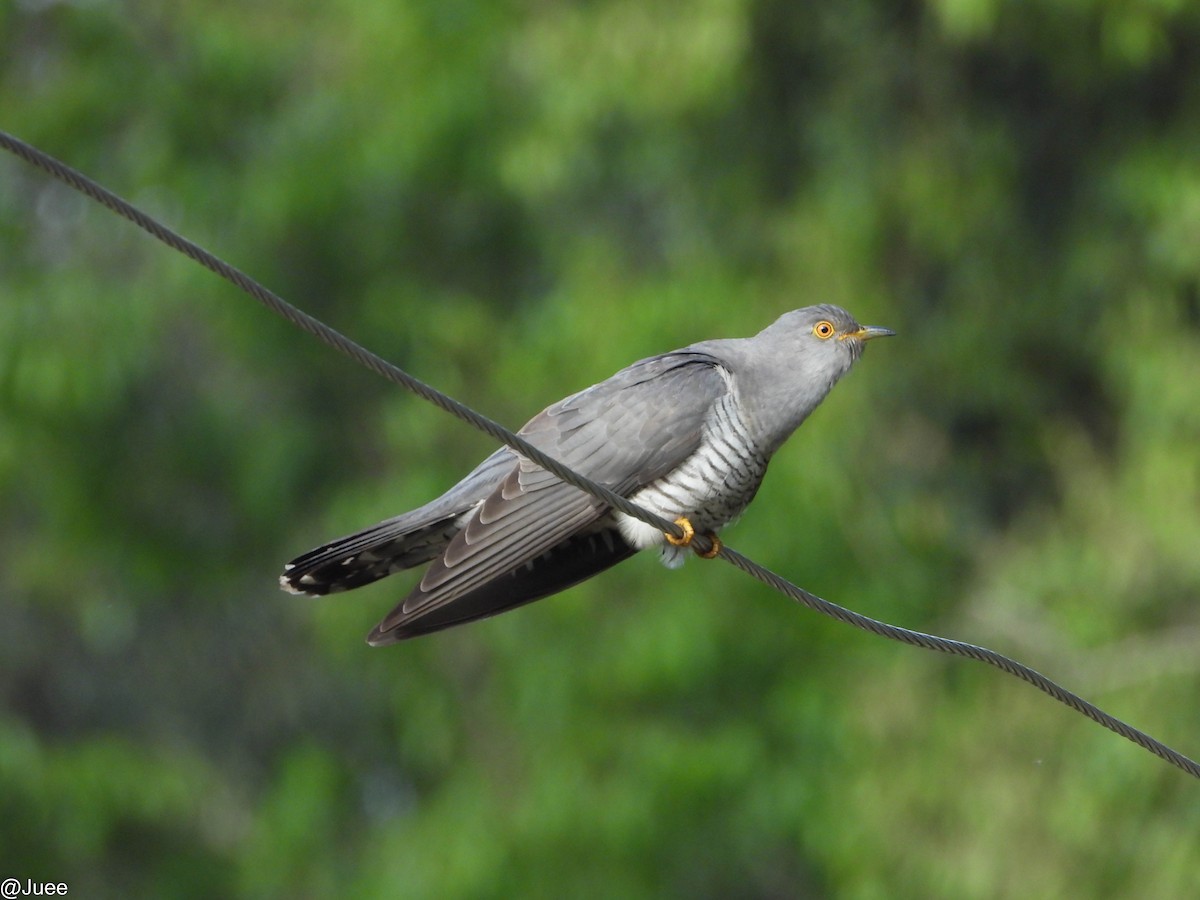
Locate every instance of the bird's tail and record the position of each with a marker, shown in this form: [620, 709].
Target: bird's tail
[398, 543]
[368, 555]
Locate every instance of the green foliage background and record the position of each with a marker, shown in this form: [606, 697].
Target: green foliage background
[512, 200]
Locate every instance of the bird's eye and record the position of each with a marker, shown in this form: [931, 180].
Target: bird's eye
[824, 330]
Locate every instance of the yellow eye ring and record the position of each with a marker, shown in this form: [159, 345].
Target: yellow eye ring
[824, 330]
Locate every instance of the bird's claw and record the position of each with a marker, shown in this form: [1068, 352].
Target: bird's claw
[689, 532]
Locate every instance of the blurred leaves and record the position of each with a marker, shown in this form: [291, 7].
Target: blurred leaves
[513, 200]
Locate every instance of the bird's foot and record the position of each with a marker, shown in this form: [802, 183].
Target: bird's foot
[689, 533]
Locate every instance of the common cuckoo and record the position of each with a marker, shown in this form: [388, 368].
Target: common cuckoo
[685, 434]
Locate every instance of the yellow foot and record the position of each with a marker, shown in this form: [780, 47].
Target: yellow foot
[689, 532]
[711, 552]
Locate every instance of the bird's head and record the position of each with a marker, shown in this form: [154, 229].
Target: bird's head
[785, 371]
[797, 360]
[825, 339]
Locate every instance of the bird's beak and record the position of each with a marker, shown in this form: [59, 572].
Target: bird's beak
[868, 332]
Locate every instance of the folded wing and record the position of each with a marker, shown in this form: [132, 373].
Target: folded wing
[535, 535]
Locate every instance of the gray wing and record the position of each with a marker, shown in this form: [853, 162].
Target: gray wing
[623, 433]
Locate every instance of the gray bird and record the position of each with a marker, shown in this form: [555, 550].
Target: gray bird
[686, 434]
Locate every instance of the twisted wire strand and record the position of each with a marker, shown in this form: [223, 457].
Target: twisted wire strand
[326, 334]
[700, 542]
[969, 651]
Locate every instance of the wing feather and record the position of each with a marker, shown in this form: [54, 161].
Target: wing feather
[624, 433]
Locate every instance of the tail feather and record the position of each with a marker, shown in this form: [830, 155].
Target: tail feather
[368, 555]
[398, 543]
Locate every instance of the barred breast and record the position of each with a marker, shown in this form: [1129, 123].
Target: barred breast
[712, 487]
